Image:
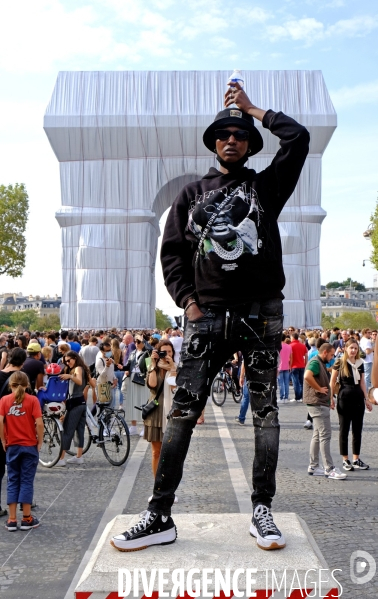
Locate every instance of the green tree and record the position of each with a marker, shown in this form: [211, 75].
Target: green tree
[47, 323]
[162, 320]
[356, 320]
[6, 319]
[374, 237]
[24, 319]
[333, 285]
[350, 283]
[327, 321]
[347, 283]
[14, 205]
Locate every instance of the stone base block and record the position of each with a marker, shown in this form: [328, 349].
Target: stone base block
[222, 545]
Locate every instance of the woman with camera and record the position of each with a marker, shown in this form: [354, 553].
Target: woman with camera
[159, 380]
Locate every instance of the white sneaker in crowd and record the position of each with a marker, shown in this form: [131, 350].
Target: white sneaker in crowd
[61, 463]
[308, 424]
[335, 474]
[75, 460]
[315, 471]
[133, 430]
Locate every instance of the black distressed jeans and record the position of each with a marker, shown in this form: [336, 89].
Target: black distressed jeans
[208, 343]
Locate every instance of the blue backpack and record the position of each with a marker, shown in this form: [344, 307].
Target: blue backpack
[56, 390]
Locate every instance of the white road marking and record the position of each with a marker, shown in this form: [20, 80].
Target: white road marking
[238, 479]
[116, 507]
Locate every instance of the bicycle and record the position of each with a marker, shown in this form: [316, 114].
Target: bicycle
[223, 384]
[110, 432]
[51, 449]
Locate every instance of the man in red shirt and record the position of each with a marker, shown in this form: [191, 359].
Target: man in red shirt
[299, 353]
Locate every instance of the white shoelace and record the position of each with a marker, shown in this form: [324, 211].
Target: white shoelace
[265, 519]
[145, 520]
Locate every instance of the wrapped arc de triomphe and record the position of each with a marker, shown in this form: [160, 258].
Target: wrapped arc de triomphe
[127, 142]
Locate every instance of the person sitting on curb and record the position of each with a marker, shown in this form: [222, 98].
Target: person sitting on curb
[317, 396]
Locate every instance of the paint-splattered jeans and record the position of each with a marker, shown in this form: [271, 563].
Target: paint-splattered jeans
[208, 343]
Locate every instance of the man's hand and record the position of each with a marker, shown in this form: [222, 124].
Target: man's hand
[323, 390]
[236, 95]
[194, 313]
[332, 404]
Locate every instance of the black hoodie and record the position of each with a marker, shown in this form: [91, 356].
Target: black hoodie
[238, 259]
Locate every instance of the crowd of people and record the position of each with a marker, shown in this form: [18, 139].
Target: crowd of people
[324, 366]
[105, 362]
[327, 370]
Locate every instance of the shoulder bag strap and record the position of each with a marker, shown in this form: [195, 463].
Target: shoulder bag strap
[159, 392]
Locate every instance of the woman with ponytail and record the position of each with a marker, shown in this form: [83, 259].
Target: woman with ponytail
[15, 362]
[21, 435]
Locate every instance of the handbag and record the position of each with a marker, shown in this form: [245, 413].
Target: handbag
[138, 379]
[149, 407]
[336, 389]
[104, 392]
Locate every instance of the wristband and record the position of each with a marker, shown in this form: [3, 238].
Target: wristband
[375, 393]
[190, 304]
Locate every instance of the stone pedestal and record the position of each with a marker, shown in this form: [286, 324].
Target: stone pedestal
[216, 542]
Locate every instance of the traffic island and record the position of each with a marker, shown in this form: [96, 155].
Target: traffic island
[214, 556]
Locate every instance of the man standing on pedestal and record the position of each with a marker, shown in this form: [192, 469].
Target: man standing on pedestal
[222, 262]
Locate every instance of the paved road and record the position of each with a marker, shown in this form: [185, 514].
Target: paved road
[342, 515]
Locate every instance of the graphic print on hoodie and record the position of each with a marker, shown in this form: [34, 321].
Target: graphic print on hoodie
[234, 216]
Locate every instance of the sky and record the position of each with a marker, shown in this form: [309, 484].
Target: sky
[339, 37]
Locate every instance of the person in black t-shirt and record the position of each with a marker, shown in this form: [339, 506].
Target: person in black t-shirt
[33, 366]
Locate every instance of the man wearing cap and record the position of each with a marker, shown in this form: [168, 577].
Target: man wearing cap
[33, 366]
[222, 262]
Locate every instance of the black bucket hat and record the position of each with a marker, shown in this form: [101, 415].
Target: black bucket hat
[237, 118]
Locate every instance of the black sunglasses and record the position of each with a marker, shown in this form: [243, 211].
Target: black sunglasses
[239, 134]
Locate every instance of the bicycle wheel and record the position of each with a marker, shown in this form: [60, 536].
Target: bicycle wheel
[237, 395]
[52, 443]
[114, 438]
[87, 442]
[218, 391]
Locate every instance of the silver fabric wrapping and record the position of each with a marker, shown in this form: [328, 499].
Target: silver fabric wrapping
[127, 142]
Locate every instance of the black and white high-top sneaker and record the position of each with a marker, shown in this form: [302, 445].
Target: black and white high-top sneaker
[152, 529]
[266, 532]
